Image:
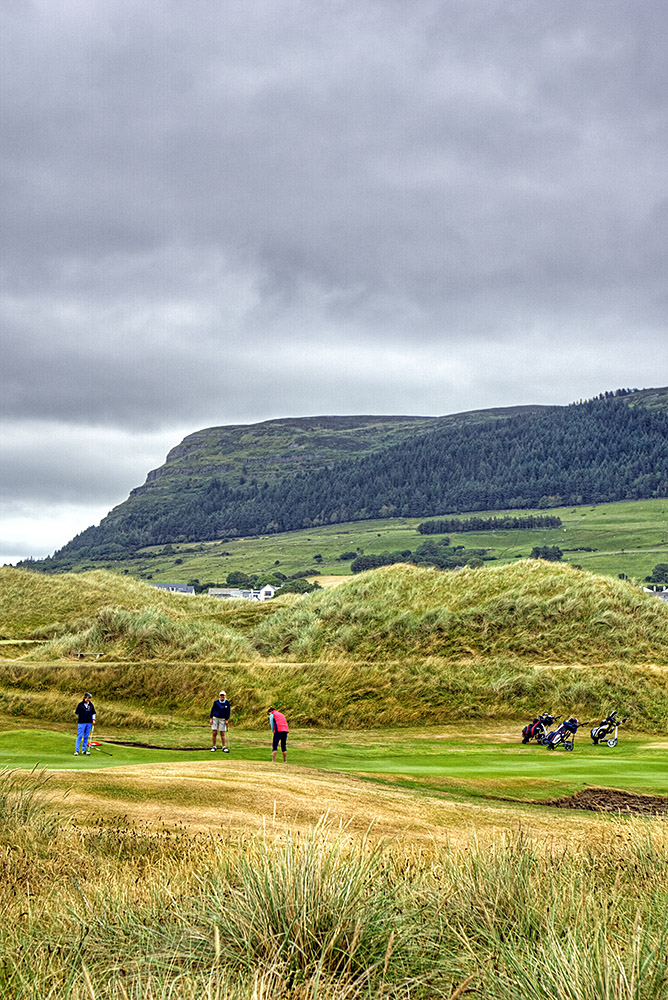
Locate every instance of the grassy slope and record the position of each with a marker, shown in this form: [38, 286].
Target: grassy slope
[524, 610]
[628, 537]
[527, 609]
[399, 645]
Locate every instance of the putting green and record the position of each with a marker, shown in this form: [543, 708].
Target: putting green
[527, 772]
[454, 765]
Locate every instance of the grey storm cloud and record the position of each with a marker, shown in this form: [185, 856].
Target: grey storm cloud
[226, 212]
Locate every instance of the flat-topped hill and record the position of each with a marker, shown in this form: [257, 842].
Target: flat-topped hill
[281, 475]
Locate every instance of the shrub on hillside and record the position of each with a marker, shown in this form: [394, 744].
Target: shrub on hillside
[551, 553]
[659, 574]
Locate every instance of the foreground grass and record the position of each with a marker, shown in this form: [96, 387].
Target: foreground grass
[136, 911]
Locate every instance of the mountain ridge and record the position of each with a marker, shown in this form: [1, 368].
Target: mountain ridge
[292, 472]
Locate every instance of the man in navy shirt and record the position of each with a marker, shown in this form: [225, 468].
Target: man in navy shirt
[220, 718]
[85, 713]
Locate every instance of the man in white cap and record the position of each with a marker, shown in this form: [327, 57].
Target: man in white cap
[220, 718]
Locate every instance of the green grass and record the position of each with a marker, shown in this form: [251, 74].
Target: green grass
[447, 764]
[28, 748]
[628, 537]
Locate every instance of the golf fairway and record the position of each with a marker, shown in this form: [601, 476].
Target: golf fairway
[445, 765]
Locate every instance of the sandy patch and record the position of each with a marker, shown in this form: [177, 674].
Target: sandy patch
[611, 800]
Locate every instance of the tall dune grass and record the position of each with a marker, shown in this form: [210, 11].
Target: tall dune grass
[529, 609]
[115, 912]
[33, 605]
[399, 645]
[330, 693]
[148, 633]
[526, 610]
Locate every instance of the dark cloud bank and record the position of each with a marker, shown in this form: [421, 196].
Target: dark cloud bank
[228, 212]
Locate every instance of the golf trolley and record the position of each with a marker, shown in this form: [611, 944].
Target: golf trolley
[563, 736]
[537, 730]
[606, 731]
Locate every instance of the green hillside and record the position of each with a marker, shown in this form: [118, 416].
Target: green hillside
[629, 537]
[283, 475]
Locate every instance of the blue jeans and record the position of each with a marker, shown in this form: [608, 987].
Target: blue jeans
[83, 735]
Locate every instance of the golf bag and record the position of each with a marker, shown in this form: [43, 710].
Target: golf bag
[563, 736]
[606, 731]
[537, 730]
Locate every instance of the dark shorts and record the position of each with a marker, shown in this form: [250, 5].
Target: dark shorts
[281, 738]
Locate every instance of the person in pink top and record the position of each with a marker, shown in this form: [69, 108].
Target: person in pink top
[280, 729]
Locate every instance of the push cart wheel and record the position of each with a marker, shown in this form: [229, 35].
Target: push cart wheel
[568, 746]
[612, 742]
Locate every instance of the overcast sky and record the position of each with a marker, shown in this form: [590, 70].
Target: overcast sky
[222, 212]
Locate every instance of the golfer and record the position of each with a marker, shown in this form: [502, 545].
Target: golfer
[219, 721]
[280, 729]
[85, 713]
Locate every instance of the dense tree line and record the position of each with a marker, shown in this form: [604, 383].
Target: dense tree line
[457, 524]
[551, 553]
[431, 553]
[592, 452]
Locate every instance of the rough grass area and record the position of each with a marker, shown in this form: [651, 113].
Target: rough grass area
[33, 605]
[396, 646]
[148, 633]
[121, 910]
[527, 609]
[328, 693]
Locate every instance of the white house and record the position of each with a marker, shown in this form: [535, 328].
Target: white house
[663, 593]
[240, 594]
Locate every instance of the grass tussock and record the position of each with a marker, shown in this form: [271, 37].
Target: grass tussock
[22, 805]
[115, 911]
[148, 633]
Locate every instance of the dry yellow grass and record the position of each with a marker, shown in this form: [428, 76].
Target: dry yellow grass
[328, 581]
[256, 797]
